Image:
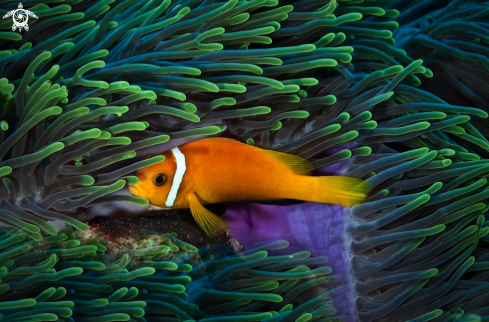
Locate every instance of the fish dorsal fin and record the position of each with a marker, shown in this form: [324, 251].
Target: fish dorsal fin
[295, 163]
[213, 225]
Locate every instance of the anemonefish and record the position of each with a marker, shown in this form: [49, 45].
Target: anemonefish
[218, 170]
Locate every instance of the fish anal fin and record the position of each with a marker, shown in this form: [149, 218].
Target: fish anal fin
[208, 221]
[295, 163]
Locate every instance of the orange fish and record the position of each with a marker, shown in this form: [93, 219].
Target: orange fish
[218, 170]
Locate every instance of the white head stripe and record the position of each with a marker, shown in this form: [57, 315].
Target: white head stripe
[177, 178]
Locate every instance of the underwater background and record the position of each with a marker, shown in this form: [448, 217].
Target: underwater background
[392, 91]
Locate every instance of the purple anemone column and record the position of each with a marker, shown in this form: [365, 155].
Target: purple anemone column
[319, 228]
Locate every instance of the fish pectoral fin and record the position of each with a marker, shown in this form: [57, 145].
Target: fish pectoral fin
[209, 222]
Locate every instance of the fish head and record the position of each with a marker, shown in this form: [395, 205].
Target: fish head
[155, 181]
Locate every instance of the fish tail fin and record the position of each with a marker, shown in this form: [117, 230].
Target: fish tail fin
[213, 225]
[342, 190]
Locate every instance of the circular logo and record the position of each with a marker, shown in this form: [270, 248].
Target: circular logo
[20, 18]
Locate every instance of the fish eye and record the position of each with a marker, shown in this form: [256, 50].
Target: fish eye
[159, 179]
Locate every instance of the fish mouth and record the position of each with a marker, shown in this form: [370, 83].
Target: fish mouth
[138, 191]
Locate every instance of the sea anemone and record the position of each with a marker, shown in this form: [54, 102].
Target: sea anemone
[94, 87]
[72, 276]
